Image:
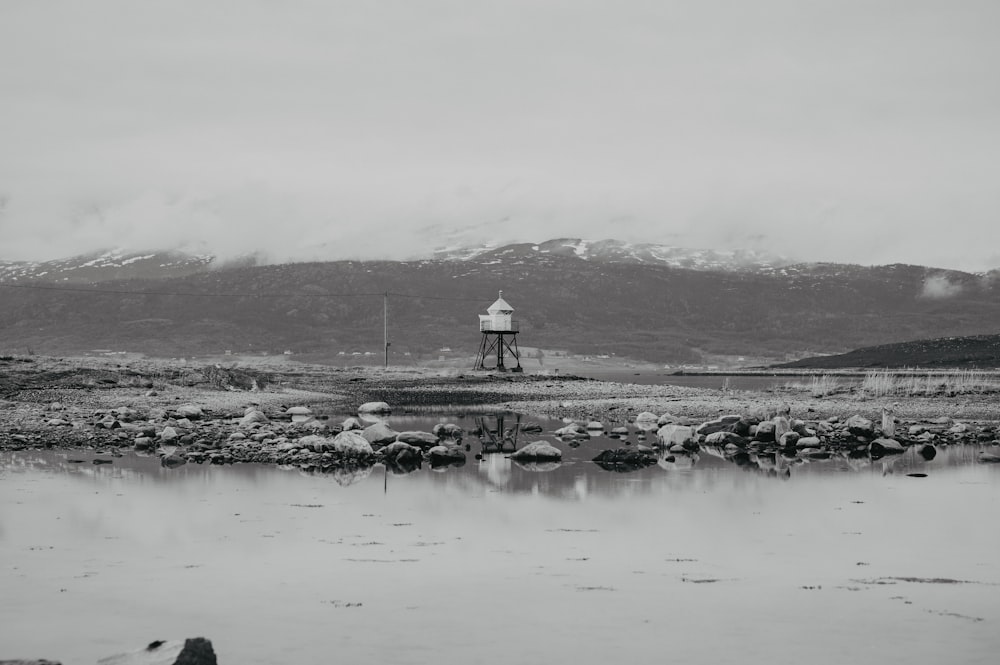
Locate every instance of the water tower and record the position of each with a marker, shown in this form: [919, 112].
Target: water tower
[499, 337]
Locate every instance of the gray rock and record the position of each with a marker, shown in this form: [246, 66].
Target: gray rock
[351, 424]
[723, 424]
[537, 451]
[789, 439]
[885, 446]
[351, 443]
[374, 407]
[764, 431]
[445, 454]
[723, 438]
[168, 434]
[807, 442]
[670, 435]
[422, 440]
[448, 431]
[252, 416]
[189, 411]
[860, 426]
[379, 434]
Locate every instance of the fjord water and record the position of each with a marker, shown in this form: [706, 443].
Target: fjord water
[695, 560]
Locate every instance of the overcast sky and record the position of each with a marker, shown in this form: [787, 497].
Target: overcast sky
[858, 131]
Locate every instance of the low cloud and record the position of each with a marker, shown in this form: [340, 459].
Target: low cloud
[939, 286]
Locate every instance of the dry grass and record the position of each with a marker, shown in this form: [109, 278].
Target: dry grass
[887, 383]
[817, 386]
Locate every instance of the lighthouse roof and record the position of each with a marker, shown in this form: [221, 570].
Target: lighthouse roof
[500, 306]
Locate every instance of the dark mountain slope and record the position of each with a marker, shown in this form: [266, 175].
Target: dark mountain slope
[651, 312]
[980, 351]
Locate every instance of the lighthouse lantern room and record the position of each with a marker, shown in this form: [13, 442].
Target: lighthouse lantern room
[499, 337]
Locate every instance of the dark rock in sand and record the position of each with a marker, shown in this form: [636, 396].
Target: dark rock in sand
[928, 452]
[193, 651]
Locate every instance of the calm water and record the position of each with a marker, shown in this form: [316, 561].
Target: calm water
[700, 560]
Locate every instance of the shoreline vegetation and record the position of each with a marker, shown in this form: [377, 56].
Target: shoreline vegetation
[243, 412]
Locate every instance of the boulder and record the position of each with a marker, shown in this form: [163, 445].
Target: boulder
[623, 460]
[374, 407]
[885, 446]
[439, 455]
[422, 440]
[723, 424]
[351, 423]
[670, 435]
[860, 426]
[537, 451]
[789, 439]
[379, 434]
[401, 457]
[807, 442]
[252, 416]
[782, 426]
[594, 425]
[399, 449]
[316, 443]
[764, 432]
[299, 414]
[572, 430]
[668, 419]
[722, 438]
[448, 431]
[351, 443]
[193, 651]
[189, 411]
[168, 434]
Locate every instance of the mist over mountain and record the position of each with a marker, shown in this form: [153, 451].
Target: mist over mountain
[648, 302]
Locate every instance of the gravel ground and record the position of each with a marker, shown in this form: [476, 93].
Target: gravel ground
[84, 385]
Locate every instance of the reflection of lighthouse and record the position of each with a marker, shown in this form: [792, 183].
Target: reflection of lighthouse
[499, 336]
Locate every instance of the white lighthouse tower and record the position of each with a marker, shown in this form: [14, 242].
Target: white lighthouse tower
[499, 336]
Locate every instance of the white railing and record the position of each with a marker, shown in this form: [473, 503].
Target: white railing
[487, 326]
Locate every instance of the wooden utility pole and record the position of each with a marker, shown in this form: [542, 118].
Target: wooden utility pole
[385, 326]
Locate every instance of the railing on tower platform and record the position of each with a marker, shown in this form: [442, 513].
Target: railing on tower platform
[487, 326]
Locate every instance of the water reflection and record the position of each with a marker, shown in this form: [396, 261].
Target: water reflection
[279, 565]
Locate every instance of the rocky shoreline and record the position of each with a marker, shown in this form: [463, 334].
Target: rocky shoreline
[221, 416]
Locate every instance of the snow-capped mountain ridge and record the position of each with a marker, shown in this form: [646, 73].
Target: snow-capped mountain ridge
[106, 265]
[617, 251]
